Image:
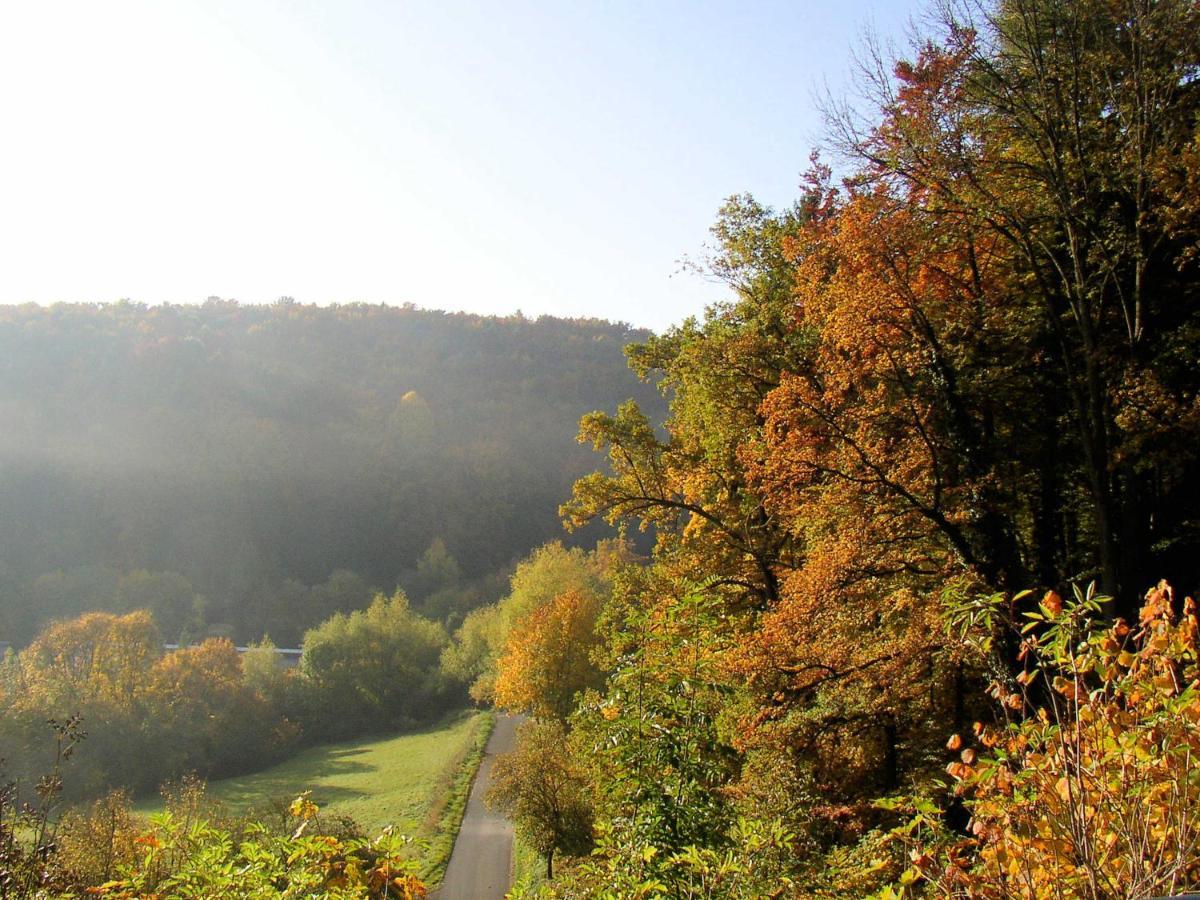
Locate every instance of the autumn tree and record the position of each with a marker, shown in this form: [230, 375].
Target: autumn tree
[690, 485]
[941, 435]
[893, 456]
[95, 666]
[543, 791]
[547, 660]
[96, 655]
[551, 570]
[547, 574]
[207, 718]
[149, 715]
[968, 368]
[1059, 131]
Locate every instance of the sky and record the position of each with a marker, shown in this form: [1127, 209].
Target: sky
[553, 157]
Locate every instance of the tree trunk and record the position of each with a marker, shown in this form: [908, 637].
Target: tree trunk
[891, 756]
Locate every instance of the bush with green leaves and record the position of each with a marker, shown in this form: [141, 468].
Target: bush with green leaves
[652, 741]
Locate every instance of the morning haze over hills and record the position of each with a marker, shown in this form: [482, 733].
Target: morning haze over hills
[250, 470]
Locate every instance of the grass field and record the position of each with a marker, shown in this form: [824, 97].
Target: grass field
[417, 781]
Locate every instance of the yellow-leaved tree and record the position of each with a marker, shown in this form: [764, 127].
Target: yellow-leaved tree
[548, 658]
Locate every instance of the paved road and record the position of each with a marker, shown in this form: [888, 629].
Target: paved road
[481, 861]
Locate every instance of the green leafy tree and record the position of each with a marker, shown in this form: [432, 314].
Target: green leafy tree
[263, 671]
[692, 486]
[470, 658]
[372, 670]
[653, 742]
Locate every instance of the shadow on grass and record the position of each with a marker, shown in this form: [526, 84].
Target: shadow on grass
[313, 767]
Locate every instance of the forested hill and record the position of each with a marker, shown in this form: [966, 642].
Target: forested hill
[221, 462]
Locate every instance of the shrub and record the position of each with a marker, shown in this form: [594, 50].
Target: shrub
[95, 841]
[1091, 789]
[181, 857]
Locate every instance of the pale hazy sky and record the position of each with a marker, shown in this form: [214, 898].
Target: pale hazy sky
[557, 157]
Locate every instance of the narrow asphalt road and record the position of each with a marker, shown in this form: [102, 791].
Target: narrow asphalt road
[481, 861]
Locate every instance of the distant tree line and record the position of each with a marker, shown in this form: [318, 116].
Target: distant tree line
[152, 715]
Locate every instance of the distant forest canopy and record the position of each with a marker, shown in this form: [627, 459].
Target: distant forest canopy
[249, 469]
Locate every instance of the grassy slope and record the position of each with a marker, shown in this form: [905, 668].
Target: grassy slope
[416, 781]
[529, 868]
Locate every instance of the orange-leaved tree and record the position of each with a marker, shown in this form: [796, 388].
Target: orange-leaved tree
[1063, 132]
[882, 456]
[207, 718]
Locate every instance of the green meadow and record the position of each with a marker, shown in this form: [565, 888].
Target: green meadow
[417, 782]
